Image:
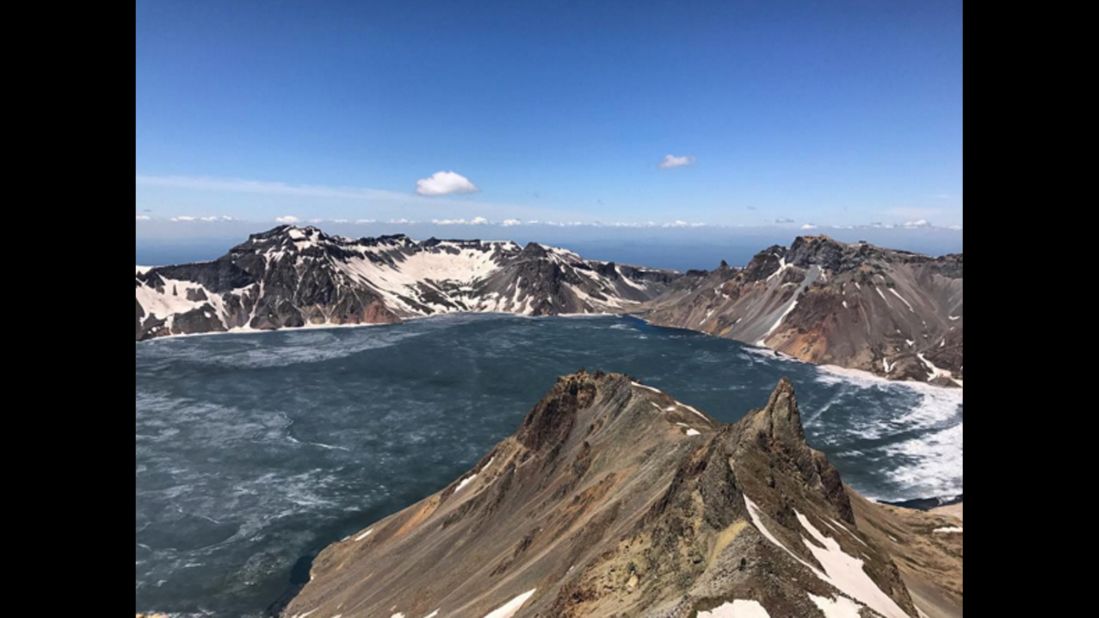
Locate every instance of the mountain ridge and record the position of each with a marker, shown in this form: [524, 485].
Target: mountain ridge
[896, 314]
[822, 301]
[613, 498]
[291, 277]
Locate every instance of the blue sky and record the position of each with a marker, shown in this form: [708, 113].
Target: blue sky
[770, 113]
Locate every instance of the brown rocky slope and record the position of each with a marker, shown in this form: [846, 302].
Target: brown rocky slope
[893, 313]
[614, 499]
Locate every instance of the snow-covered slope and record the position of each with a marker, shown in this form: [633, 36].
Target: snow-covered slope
[292, 277]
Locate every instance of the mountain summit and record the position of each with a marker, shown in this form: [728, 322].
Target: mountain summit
[291, 276]
[893, 313]
[615, 499]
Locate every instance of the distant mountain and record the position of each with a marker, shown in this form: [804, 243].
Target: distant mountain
[894, 313]
[614, 499]
[292, 277]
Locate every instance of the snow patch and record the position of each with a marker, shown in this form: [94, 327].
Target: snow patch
[680, 404]
[753, 512]
[708, 314]
[509, 609]
[782, 266]
[781, 317]
[637, 286]
[464, 482]
[845, 572]
[906, 303]
[835, 523]
[739, 608]
[364, 535]
[934, 371]
[948, 529]
[840, 607]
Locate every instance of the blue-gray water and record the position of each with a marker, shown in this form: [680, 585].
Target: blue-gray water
[256, 450]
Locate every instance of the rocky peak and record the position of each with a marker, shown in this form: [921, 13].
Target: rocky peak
[780, 420]
[774, 434]
[615, 499]
[820, 251]
[607, 269]
[552, 419]
[534, 250]
[765, 262]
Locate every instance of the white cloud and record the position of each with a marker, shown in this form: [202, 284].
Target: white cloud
[511, 222]
[190, 218]
[375, 197]
[917, 223]
[781, 220]
[473, 221]
[143, 217]
[401, 221]
[361, 221]
[443, 183]
[565, 223]
[287, 219]
[808, 226]
[671, 161]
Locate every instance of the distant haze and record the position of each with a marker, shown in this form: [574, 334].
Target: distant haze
[161, 243]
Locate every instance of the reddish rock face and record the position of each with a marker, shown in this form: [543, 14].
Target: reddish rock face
[893, 313]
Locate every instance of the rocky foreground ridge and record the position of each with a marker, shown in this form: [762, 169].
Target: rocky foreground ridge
[614, 499]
